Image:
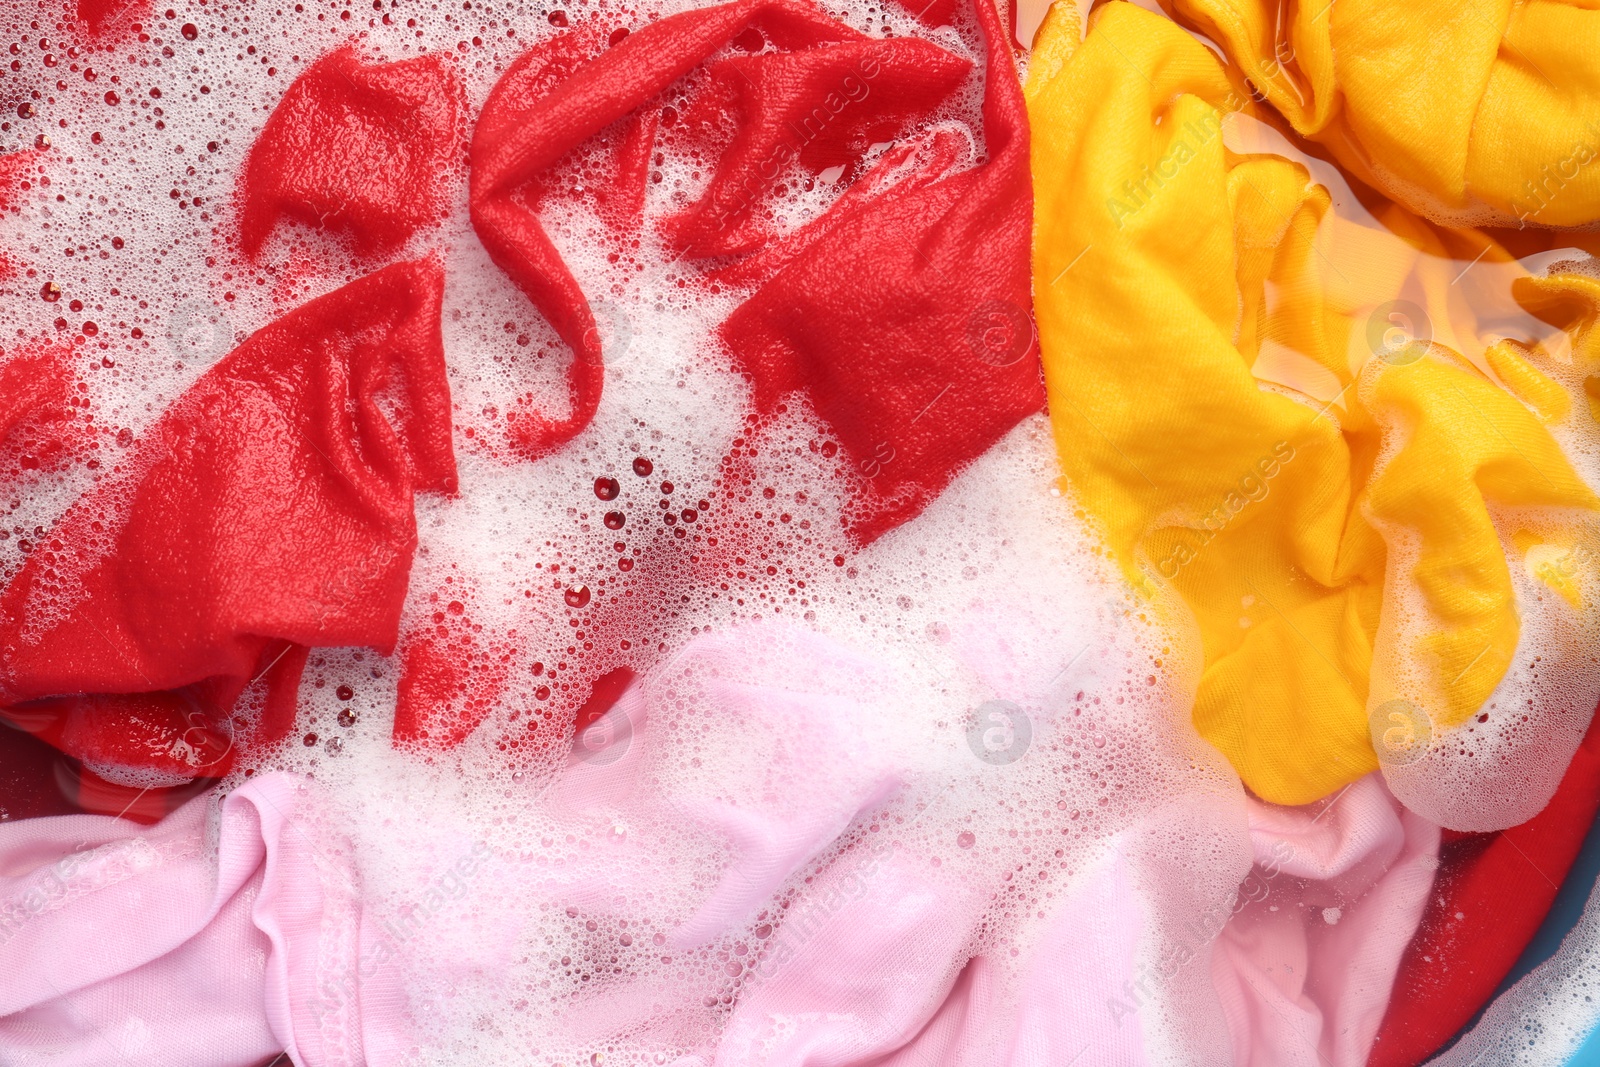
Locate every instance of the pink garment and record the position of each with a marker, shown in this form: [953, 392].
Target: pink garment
[857, 972]
[1305, 966]
[1063, 1010]
[212, 939]
[821, 763]
[871, 944]
[847, 940]
[1058, 1014]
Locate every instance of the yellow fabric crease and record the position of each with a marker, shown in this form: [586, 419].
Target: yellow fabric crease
[1482, 112]
[1277, 406]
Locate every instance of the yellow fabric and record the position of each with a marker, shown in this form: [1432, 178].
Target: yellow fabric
[1472, 111]
[1226, 368]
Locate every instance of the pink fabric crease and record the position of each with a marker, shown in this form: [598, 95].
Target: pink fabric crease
[820, 770]
[216, 938]
[1305, 967]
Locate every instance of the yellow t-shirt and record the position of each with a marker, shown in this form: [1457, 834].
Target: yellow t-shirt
[1279, 397]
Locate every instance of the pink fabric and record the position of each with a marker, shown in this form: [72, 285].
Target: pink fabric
[880, 957]
[878, 969]
[212, 939]
[125, 944]
[1305, 966]
[858, 972]
[1059, 1014]
[868, 950]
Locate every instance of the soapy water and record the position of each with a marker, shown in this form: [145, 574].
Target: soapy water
[605, 914]
[973, 708]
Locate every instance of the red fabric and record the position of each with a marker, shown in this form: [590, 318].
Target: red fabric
[100, 15]
[1502, 886]
[14, 168]
[931, 12]
[551, 102]
[355, 147]
[905, 315]
[821, 107]
[37, 426]
[908, 320]
[268, 510]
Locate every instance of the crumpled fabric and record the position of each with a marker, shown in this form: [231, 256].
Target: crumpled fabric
[1493, 891]
[227, 933]
[1296, 984]
[906, 321]
[845, 943]
[553, 100]
[1089, 986]
[1280, 408]
[301, 912]
[834, 101]
[1305, 966]
[356, 147]
[1487, 114]
[788, 814]
[902, 313]
[876, 957]
[267, 511]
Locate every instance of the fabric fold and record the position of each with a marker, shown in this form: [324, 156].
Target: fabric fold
[227, 933]
[163, 623]
[1306, 965]
[355, 147]
[902, 313]
[1358, 455]
[1488, 114]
